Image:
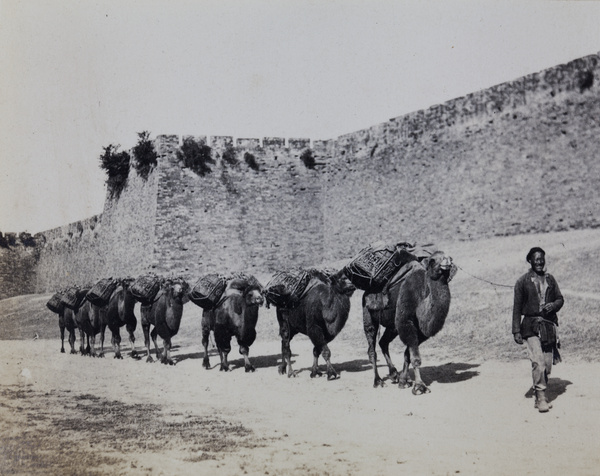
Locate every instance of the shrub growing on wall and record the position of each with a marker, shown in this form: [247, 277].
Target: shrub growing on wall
[27, 239]
[116, 165]
[144, 155]
[196, 155]
[308, 158]
[251, 161]
[229, 156]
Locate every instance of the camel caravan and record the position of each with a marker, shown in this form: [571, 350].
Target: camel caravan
[405, 291]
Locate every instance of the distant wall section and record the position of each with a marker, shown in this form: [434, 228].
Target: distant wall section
[516, 158]
[18, 263]
[119, 242]
[237, 218]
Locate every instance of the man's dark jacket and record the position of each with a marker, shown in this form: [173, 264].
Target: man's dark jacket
[527, 304]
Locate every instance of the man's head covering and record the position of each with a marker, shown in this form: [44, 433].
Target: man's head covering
[535, 249]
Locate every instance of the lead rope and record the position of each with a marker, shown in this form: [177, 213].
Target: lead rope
[484, 280]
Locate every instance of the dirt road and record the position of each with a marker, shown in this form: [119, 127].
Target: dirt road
[68, 414]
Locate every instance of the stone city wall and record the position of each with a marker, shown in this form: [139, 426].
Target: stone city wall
[516, 158]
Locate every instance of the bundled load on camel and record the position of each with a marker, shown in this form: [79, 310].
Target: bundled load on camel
[145, 288]
[208, 290]
[100, 292]
[73, 297]
[374, 265]
[55, 304]
[287, 287]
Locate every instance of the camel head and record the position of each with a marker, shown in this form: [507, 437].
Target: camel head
[248, 286]
[439, 266]
[178, 287]
[253, 295]
[126, 282]
[341, 283]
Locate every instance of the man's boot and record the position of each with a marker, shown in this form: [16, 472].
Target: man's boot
[540, 401]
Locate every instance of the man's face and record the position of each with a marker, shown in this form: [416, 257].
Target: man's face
[538, 262]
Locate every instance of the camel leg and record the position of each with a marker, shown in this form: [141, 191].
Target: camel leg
[72, 340]
[130, 326]
[92, 339]
[244, 350]
[315, 333]
[286, 335]
[146, 331]
[286, 359]
[245, 343]
[331, 373]
[62, 339]
[314, 371]
[223, 340]
[409, 334]
[205, 337]
[404, 380]
[419, 387]
[223, 354]
[384, 343]
[154, 336]
[102, 332]
[116, 342]
[371, 326]
[88, 348]
[166, 357]
[81, 342]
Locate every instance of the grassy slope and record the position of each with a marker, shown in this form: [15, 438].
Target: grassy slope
[478, 326]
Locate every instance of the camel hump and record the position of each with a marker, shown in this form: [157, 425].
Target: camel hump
[404, 272]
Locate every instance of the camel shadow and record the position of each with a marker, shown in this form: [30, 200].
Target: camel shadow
[556, 387]
[259, 361]
[452, 372]
[190, 355]
[358, 365]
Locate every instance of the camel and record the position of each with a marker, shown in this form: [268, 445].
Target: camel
[66, 320]
[320, 314]
[164, 314]
[120, 313]
[414, 307]
[235, 314]
[91, 320]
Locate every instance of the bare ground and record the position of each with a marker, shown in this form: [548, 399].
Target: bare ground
[69, 414]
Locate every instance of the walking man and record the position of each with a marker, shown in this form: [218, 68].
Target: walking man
[534, 321]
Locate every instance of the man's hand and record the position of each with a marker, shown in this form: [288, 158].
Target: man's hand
[547, 309]
[518, 338]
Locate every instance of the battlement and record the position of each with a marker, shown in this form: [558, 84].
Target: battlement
[220, 143]
[579, 75]
[14, 240]
[70, 232]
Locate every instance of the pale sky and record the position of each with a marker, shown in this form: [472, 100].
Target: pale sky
[76, 76]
